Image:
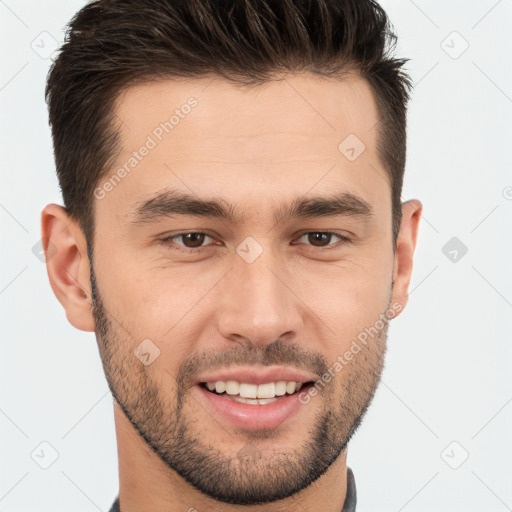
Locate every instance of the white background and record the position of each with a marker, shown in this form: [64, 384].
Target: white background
[447, 381]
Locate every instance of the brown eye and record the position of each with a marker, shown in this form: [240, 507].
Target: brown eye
[322, 239]
[191, 241]
[319, 239]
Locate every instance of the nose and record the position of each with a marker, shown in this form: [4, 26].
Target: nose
[258, 304]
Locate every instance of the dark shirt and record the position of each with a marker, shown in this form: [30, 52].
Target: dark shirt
[348, 506]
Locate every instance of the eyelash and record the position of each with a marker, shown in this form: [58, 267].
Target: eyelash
[168, 241]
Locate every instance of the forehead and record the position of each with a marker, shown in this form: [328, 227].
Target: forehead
[300, 105]
[208, 137]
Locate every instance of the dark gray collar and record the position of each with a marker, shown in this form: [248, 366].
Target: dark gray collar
[351, 497]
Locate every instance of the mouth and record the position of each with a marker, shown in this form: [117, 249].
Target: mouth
[229, 406]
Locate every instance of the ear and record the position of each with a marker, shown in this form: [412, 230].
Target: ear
[67, 264]
[406, 243]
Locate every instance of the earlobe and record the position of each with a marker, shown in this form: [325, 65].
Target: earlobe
[67, 264]
[406, 244]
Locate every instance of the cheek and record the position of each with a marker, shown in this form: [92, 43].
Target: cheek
[161, 311]
[162, 304]
[348, 299]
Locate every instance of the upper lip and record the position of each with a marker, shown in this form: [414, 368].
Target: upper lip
[253, 375]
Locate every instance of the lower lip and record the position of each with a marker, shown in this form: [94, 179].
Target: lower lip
[249, 416]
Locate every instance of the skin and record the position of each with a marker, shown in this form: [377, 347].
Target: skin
[298, 304]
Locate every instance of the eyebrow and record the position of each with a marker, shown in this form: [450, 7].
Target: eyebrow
[172, 203]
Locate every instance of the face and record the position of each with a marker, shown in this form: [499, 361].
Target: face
[245, 237]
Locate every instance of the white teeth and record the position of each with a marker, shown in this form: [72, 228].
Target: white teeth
[290, 387]
[260, 401]
[268, 390]
[232, 387]
[281, 388]
[264, 401]
[220, 386]
[249, 390]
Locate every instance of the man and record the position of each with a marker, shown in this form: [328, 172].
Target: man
[233, 232]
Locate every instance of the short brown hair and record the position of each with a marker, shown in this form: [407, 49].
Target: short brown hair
[112, 44]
